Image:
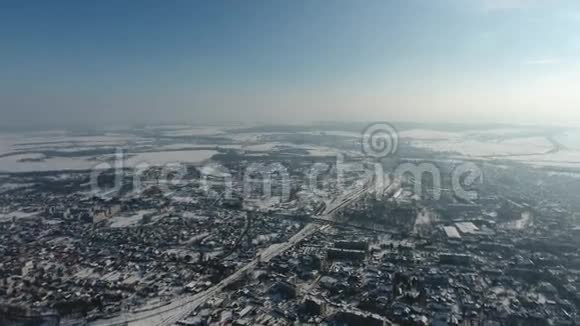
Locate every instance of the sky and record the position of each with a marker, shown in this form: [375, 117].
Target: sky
[111, 62]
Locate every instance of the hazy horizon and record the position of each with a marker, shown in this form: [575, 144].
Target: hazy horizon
[108, 63]
[289, 162]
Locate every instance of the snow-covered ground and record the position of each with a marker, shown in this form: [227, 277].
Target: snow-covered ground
[25, 152]
[181, 146]
[505, 144]
[59, 140]
[15, 163]
[13, 186]
[481, 148]
[4, 217]
[165, 157]
[199, 131]
[126, 221]
[569, 139]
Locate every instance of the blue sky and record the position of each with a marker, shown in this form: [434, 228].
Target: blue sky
[105, 62]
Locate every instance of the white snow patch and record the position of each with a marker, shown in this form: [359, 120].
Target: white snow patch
[201, 131]
[126, 221]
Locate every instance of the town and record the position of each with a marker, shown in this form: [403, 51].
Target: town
[231, 248]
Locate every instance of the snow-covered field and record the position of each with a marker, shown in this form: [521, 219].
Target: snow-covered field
[505, 144]
[4, 217]
[27, 152]
[59, 140]
[182, 146]
[161, 158]
[126, 221]
[55, 150]
[481, 148]
[569, 139]
[525, 145]
[199, 131]
[15, 163]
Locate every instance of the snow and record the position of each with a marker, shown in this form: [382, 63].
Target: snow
[504, 144]
[278, 146]
[338, 133]
[13, 186]
[4, 217]
[516, 144]
[322, 151]
[200, 131]
[182, 146]
[467, 227]
[162, 158]
[11, 143]
[451, 232]
[479, 148]
[569, 139]
[14, 163]
[127, 221]
[264, 146]
[424, 134]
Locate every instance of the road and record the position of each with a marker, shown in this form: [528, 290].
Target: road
[183, 307]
